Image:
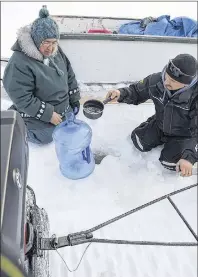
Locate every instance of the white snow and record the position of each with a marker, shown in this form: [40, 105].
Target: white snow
[2, 71]
[125, 179]
[99, 90]
[87, 90]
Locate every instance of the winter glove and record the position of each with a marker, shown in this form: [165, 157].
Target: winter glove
[75, 107]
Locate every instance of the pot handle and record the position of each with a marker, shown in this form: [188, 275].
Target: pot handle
[107, 100]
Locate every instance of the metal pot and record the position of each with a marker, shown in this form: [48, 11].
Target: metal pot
[93, 109]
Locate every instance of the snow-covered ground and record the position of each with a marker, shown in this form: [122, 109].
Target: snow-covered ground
[87, 90]
[124, 180]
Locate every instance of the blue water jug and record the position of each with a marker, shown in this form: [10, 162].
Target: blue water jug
[72, 143]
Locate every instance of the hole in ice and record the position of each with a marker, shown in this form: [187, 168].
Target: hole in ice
[99, 155]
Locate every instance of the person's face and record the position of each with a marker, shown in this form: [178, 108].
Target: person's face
[48, 46]
[171, 84]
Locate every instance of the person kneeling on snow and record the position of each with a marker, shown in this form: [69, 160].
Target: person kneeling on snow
[39, 79]
[174, 92]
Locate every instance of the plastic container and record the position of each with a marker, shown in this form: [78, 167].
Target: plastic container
[72, 143]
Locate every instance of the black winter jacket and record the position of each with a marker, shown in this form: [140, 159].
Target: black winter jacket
[176, 114]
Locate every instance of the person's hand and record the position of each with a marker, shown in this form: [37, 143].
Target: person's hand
[185, 167]
[114, 95]
[56, 118]
[75, 107]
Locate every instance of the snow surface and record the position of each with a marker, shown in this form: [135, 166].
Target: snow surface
[87, 90]
[125, 179]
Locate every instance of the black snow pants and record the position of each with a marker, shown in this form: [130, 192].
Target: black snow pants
[148, 135]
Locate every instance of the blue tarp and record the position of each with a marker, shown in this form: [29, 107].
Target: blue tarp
[163, 26]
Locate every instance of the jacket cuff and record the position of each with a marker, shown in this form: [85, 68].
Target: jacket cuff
[123, 95]
[74, 95]
[45, 112]
[189, 157]
[73, 91]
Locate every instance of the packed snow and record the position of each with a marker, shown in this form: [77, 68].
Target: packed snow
[125, 179]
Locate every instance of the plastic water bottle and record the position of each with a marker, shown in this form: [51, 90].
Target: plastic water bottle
[72, 143]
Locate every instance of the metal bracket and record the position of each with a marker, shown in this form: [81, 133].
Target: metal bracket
[79, 238]
[54, 242]
[39, 251]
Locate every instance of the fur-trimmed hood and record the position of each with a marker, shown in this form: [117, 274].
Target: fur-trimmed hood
[26, 45]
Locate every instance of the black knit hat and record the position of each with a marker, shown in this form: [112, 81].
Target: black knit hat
[183, 68]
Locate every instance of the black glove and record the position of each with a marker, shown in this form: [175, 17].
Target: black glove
[75, 107]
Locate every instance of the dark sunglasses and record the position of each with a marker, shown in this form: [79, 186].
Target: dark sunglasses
[176, 71]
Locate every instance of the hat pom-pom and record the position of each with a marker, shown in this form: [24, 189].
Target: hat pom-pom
[44, 12]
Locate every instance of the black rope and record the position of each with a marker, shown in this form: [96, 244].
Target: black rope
[151, 243]
[136, 209]
[183, 218]
[148, 243]
[4, 60]
[126, 242]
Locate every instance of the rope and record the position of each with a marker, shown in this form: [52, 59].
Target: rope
[72, 270]
[135, 210]
[151, 243]
[183, 218]
[148, 243]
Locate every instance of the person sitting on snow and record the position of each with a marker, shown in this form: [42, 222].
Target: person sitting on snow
[39, 79]
[174, 92]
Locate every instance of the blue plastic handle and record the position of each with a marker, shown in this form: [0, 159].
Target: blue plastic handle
[86, 155]
[70, 118]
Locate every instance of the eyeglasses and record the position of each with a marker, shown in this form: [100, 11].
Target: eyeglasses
[49, 43]
[176, 71]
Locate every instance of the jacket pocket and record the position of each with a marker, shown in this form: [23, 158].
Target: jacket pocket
[177, 121]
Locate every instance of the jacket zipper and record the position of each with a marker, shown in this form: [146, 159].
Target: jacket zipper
[158, 99]
[186, 109]
[171, 120]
